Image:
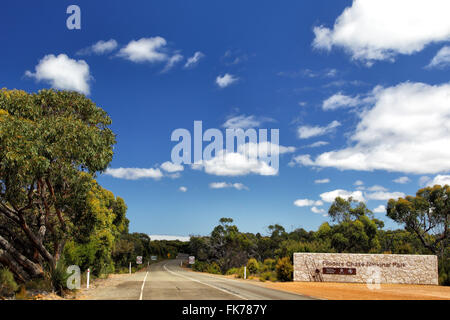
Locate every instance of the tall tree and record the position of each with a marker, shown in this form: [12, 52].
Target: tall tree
[51, 145]
[427, 215]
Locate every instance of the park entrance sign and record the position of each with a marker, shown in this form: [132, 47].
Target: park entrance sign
[366, 268]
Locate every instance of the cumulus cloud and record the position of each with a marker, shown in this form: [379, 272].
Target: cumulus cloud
[407, 130]
[441, 59]
[100, 47]
[382, 29]
[358, 183]
[383, 195]
[340, 100]
[145, 50]
[223, 185]
[193, 61]
[235, 164]
[134, 173]
[226, 80]
[330, 196]
[380, 209]
[183, 189]
[318, 210]
[441, 180]
[63, 73]
[402, 180]
[321, 181]
[171, 167]
[306, 132]
[307, 203]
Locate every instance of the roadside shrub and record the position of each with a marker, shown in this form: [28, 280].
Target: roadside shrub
[199, 266]
[252, 266]
[232, 271]
[240, 273]
[213, 268]
[58, 278]
[268, 276]
[269, 264]
[284, 269]
[7, 284]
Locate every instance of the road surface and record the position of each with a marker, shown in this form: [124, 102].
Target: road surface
[168, 281]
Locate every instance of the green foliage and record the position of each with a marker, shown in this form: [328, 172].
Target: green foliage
[427, 215]
[213, 268]
[58, 277]
[269, 264]
[284, 269]
[344, 210]
[268, 276]
[252, 266]
[7, 284]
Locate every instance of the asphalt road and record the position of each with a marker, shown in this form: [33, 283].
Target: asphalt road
[168, 281]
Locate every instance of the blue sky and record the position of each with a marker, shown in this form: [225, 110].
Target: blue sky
[353, 100]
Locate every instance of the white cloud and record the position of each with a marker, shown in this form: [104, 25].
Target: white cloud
[172, 61]
[223, 185]
[305, 132]
[380, 209]
[307, 203]
[235, 164]
[100, 47]
[63, 73]
[381, 29]
[340, 100]
[377, 188]
[442, 58]
[402, 180]
[168, 237]
[441, 180]
[332, 195]
[183, 189]
[245, 122]
[407, 130]
[318, 210]
[358, 183]
[193, 61]
[134, 173]
[226, 80]
[317, 144]
[320, 181]
[424, 180]
[171, 167]
[254, 150]
[145, 50]
[382, 195]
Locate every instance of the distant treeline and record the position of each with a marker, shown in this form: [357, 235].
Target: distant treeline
[353, 230]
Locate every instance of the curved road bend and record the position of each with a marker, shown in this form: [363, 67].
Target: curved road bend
[166, 280]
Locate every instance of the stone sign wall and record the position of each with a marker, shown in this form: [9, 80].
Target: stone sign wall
[366, 268]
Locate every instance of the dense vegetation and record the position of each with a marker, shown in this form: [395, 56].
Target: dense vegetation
[53, 213]
[353, 230]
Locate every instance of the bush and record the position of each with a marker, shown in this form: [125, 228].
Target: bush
[58, 278]
[284, 269]
[7, 284]
[213, 268]
[240, 273]
[268, 275]
[199, 266]
[252, 266]
[269, 264]
[232, 271]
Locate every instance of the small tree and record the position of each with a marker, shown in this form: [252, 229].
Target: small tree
[284, 269]
[427, 215]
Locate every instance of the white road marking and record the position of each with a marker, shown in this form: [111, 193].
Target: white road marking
[143, 284]
[206, 284]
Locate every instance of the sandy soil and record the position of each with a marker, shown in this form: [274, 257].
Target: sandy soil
[357, 291]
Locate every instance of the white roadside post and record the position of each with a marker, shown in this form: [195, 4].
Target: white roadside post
[245, 273]
[129, 268]
[87, 281]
